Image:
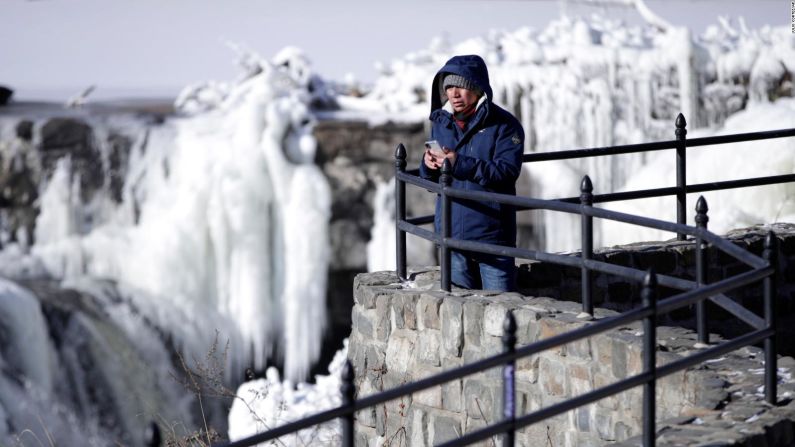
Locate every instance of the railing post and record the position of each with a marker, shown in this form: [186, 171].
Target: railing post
[348, 390]
[649, 297]
[445, 180]
[508, 377]
[701, 271]
[771, 362]
[152, 436]
[681, 173]
[586, 199]
[400, 211]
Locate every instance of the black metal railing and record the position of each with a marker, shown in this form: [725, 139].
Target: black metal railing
[695, 292]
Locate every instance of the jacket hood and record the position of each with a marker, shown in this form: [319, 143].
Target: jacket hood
[470, 66]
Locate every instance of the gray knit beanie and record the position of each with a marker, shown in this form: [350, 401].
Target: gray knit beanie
[454, 80]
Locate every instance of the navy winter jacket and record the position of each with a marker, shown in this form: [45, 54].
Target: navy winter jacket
[489, 157]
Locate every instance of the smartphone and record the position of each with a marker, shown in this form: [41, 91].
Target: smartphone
[435, 148]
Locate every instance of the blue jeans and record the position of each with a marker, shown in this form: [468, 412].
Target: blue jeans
[482, 271]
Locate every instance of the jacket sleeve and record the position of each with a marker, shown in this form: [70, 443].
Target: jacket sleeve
[503, 168]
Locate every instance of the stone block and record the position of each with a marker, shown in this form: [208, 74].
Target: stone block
[552, 376]
[403, 311]
[375, 356]
[444, 427]
[418, 429]
[382, 325]
[451, 313]
[399, 352]
[527, 369]
[358, 358]
[396, 432]
[580, 378]
[363, 323]
[583, 418]
[548, 432]
[671, 391]
[549, 327]
[618, 358]
[526, 395]
[363, 436]
[622, 431]
[431, 397]
[582, 439]
[473, 322]
[600, 380]
[711, 392]
[527, 328]
[494, 319]
[428, 311]
[428, 347]
[635, 357]
[580, 349]
[472, 424]
[366, 417]
[452, 396]
[603, 424]
[481, 400]
[602, 351]
[381, 416]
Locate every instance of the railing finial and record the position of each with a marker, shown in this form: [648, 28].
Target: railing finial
[701, 212]
[400, 152]
[681, 125]
[586, 186]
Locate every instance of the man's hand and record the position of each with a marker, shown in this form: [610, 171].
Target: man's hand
[434, 160]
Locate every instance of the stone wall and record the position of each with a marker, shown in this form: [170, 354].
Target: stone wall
[407, 331]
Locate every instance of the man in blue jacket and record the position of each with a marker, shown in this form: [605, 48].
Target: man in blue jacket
[484, 144]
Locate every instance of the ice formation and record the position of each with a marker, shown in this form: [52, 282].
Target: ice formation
[225, 217]
[270, 402]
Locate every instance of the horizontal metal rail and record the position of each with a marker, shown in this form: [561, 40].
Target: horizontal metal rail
[689, 189]
[692, 296]
[554, 205]
[655, 146]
